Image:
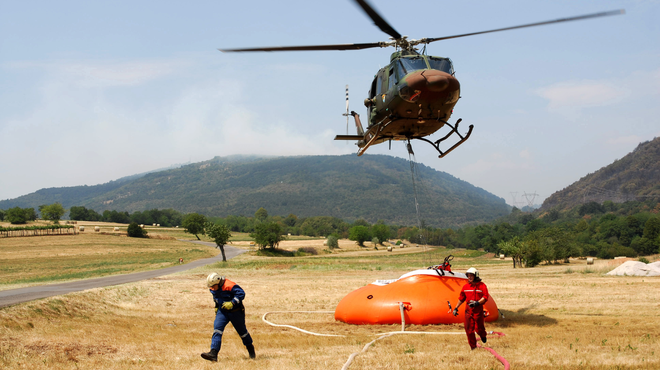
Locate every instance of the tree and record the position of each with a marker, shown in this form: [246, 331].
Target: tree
[290, 220]
[30, 214]
[118, 217]
[525, 218]
[194, 224]
[261, 214]
[321, 226]
[381, 231]
[552, 215]
[590, 208]
[15, 216]
[80, 213]
[267, 234]
[220, 235]
[135, 231]
[360, 234]
[236, 223]
[52, 212]
[652, 228]
[333, 242]
[514, 249]
[361, 222]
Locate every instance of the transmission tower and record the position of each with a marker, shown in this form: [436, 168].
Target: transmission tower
[530, 198]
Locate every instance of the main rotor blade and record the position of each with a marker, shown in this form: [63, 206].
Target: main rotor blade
[378, 20]
[311, 47]
[580, 17]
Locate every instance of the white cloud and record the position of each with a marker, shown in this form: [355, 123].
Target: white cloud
[91, 73]
[582, 94]
[101, 138]
[525, 154]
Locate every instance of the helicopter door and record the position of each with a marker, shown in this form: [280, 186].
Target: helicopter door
[375, 92]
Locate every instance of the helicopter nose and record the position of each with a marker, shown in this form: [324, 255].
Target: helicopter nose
[436, 82]
[432, 80]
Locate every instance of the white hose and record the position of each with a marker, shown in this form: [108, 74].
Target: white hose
[295, 328]
[353, 355]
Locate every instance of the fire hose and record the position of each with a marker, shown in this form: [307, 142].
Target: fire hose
[382, 336]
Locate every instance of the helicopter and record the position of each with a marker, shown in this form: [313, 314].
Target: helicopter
[414, 95]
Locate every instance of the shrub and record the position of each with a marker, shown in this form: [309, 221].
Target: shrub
[135, 231]
[333, 242]
[308, 250]
[615, 250]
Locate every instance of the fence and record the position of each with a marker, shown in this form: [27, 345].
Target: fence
[9, 232]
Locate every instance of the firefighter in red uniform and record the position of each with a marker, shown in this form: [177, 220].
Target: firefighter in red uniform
[476, 293]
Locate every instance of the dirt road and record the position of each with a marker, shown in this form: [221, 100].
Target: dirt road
[15, 296]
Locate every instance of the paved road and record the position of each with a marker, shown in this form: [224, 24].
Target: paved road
[15, 296]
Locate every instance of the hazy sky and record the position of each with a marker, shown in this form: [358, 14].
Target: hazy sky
[93, 91]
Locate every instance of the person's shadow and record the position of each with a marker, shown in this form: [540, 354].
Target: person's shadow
[521, 317]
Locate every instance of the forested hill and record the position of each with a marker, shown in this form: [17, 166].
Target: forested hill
[372, 187]
[633, 177]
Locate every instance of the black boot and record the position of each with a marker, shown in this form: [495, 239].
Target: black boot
[250, 348]
[212, 355]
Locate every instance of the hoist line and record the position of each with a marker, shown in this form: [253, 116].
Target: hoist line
[412, 160]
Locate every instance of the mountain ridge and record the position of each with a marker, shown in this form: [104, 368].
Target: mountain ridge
[636, 176]
[370, 187]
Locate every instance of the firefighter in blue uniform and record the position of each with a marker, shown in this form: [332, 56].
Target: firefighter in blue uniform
[228, 298]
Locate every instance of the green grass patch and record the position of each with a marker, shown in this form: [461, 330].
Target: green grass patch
[347, 261]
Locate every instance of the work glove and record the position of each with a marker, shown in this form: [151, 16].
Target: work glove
[474, 304]
[216, 306]
[227, 305]
[455, 312]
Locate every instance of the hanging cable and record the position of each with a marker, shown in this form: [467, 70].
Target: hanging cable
[414, 170]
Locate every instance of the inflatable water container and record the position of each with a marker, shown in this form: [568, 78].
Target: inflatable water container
[424, 294]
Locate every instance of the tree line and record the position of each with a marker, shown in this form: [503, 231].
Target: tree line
[603, 230]
[54, 212]
[267, 229]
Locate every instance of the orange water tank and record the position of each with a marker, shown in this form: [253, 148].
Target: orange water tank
[424, 293]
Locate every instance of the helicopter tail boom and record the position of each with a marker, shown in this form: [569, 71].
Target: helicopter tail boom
[349, 137]
[358, 126]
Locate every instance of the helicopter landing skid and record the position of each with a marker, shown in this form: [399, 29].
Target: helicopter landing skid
[454, 130]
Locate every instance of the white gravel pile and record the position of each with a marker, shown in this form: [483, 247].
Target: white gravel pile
[636, 268]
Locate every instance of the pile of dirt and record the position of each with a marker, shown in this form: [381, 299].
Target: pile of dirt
[637, 268]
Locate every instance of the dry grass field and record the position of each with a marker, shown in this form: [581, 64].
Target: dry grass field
[36, 260]
[556, 317]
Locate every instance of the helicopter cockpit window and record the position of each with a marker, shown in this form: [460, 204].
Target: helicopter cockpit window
[391, 80]
[442, 64]
[408, 65]
[379, 83]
